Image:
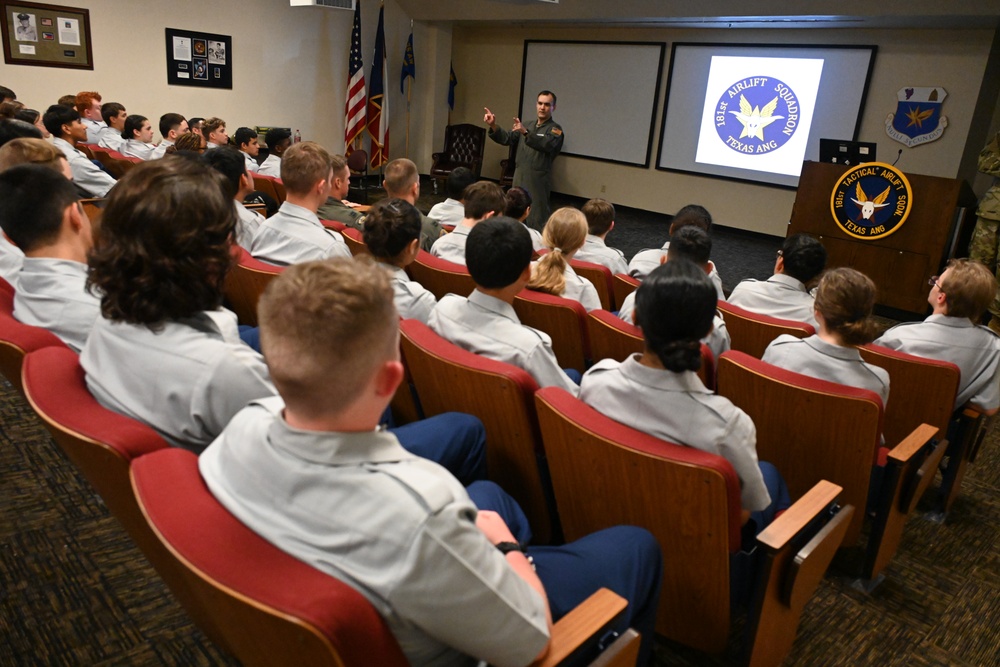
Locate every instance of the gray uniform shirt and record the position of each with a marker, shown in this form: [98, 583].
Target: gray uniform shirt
[597, 251]
[678, 408]
[294, 234]
[488, 326]
[161, 149]
[52, 294]
[11, 260]
[94, 128]
[271, 166]
[451, 247]
[580, 289]
[247, 226]
[816, 358]
[645, 261]
[251, 163]
[86, 174]
[717, 340]
[974, 349]
[111, 139]
[413, 301]
[186, 380]
[779, 296]
[139, 149]
[397, 528]
[449, 212]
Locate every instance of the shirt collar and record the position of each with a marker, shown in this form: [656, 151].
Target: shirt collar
[665, 380]
[299, 212]
[335, 448]
[948, 321]
[493, 305]
[787, 281]
[831, 350]
[461, 230]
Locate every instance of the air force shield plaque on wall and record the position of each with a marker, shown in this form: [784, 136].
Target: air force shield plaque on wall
[918, 118]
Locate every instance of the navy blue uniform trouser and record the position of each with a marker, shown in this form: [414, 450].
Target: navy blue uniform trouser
[455, 440]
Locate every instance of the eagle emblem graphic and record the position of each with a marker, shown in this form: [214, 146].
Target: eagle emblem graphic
[868, 206]
[755, 119]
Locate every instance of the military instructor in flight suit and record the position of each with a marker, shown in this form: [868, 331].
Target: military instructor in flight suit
[540, 143]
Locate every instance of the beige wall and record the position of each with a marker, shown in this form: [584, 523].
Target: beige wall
[290, 64]
[488, 64]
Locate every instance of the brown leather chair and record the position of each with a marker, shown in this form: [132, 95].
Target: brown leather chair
[463, 147]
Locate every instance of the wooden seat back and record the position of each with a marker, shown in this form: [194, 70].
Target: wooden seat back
[115, 166]
[18, 339]
[245, 282]
[613, 338]
[266, 184]
[751, 332]
[600, 276]
[441, 277]
[355, 241]
[923, 391]
[606, 474]
[809, 429]
[448, 378]
[564, 320]
[622, 286]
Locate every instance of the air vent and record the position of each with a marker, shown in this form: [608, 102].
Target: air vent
[332, 4]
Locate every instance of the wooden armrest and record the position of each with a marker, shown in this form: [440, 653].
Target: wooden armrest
[437, 156]
[798, 516]
[591, 617]
[914, 488]
[810, 563]
[622, 652]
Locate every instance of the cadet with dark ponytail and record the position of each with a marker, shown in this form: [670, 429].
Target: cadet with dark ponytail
[659, 393]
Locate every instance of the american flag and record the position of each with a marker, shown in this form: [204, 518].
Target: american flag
[357, 101]
[378, 109]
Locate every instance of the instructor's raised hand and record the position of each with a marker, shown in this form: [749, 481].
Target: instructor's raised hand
[489, 118]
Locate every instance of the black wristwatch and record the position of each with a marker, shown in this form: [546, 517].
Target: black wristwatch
[506, 547]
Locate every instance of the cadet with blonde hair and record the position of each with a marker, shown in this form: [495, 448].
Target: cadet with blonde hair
[564, 234]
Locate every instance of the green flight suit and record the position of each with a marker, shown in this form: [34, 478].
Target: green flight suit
[986, 237]
[336, 210]
[533, 167]
[430, 231]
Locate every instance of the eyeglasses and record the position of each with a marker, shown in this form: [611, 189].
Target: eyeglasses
[933, 282]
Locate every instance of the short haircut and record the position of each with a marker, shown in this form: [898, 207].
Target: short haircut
[170, 121]
[692, 214]
[565, 232]
[56, 116]
[132, 125]
[518, 200]
[691, 243]
[303, 166]
[230, 163]
[85, 99]
[11, 128]
[193, 122]
[845, 298]
[32, 201]
[313, 303]
[497, 251]
[547, 92]
[400, 175]
[6, 93]
[803, 256]
[482, 198]
[390, 226]
[338, 163]
[163, 247]
[276, 135]
[210, 125]
[243, 135]
[29, 150]
[675, 307]
[67, 101]
[28, 115]
[969, 289]
[10, 109]
[600, 214]
[111, 110]
[459, 179]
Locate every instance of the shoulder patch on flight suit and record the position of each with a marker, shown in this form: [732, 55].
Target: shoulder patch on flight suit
[556, 131]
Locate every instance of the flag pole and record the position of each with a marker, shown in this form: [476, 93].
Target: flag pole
[409, 91]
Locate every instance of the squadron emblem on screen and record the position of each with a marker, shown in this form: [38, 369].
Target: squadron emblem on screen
[748, 114]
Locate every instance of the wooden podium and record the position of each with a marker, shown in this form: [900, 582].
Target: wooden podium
[901, 263]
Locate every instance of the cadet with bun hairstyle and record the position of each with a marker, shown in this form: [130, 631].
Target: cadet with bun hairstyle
[844, 302]
[658, 391]
[392, 234]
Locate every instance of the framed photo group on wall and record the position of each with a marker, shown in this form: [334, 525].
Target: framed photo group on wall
[199, 59]
[46, 35]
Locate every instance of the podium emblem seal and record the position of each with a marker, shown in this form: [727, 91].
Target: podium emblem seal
[871, 200]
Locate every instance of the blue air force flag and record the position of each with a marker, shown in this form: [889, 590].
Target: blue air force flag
[918, 116]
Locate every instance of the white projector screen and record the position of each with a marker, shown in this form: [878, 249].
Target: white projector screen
[755, 112]
[606, 95]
